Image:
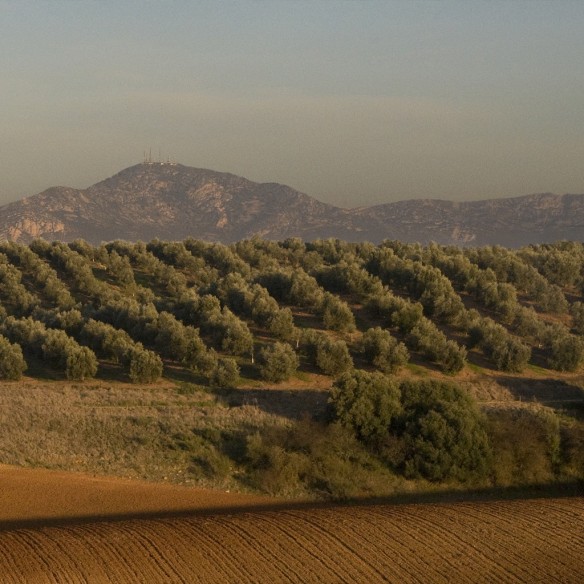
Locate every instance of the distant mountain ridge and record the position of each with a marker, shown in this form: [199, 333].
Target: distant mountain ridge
[172, 201]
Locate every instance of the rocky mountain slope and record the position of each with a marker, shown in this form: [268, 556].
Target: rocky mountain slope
[172, 201]
[509, 222]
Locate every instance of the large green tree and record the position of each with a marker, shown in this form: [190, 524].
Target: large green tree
[443, 431]
[366, 402]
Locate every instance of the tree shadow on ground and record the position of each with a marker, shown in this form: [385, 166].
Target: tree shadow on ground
[446, 497]
[555, 393]
[179, 374]
[108, 371]
[289, 403]
[41, 370]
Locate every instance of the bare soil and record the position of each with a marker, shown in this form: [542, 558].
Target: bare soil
[28, 495]
[61, 527]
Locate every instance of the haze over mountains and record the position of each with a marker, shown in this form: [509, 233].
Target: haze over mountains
[172, 201]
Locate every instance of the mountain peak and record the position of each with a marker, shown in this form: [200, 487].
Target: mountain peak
[172, 201]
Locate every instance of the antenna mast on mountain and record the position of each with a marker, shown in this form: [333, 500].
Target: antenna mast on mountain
[163, 161]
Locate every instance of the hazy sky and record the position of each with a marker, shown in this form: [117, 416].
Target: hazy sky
[352, 102]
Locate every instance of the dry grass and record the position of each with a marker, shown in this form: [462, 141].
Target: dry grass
[155, 432]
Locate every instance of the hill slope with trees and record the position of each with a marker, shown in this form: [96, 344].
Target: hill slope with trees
[389, 348]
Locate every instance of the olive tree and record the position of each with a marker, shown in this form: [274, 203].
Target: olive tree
[145, 366]
[333, 357]
[225, 374]
[12, 363]
[383, 350]
[277, 362]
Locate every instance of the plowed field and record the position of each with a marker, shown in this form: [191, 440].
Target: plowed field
[535, 540]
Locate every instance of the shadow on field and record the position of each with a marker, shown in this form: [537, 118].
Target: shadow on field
[555, 491]
[290, 403]
[555, 393]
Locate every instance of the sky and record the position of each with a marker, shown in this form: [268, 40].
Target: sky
[354, 102]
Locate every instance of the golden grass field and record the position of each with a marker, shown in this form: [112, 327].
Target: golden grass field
[59, 527]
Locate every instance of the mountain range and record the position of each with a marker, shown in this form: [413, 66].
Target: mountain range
[171, 201]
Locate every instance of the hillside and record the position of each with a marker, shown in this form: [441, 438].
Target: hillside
[169, 201]
[300, 370]
[172, 201]
[512, 222]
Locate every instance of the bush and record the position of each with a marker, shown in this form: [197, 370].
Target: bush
[309, 457]
[526, 445]
[274, 470]
[443, 431]
[333, 357]
[225, 374]
[12, 363]
[365, 402]
[277, 362]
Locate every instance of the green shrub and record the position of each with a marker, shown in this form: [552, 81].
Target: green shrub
[444, 433]
[365, 402]
[309, 457]
[12, 363]
[277, 362]
[225, 374]
[526, 445]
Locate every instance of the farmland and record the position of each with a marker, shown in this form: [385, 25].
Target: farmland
[109, 530]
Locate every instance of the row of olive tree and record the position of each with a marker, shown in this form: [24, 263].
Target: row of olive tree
[253, 301]
[49, 286]
[52, 345]
[144, 366]
[421, 334]
[13, 293]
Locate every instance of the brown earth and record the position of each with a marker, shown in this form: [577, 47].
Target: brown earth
[143, 532]
[28, 495]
